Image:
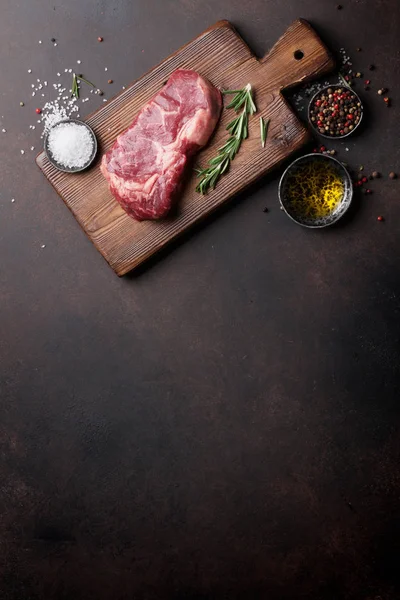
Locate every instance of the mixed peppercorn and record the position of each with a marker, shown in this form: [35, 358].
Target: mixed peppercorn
[336, 111]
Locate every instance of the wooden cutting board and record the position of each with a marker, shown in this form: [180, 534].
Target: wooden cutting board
[223, 57]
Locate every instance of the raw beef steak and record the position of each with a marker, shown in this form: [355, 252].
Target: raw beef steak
[145, 165]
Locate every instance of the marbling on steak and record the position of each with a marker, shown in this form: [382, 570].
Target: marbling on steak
[145, 165]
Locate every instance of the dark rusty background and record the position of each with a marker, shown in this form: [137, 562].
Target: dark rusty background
[223, 425]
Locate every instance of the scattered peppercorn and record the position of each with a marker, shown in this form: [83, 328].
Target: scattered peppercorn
[21, 104]
[100, 39]
[38, 111]
[339, 7]
[358, 49]
[367, 88]
[100, 92]
[361, 168]
[376, 174]
[371, 67]
[368, 191]
[265, 210]
[367, 81]
[53, 40]
[392, 175]
[380, 218]
[110, 81]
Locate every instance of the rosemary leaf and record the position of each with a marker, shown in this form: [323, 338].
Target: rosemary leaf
[85, 80]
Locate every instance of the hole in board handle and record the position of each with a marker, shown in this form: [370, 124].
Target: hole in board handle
[298, 54]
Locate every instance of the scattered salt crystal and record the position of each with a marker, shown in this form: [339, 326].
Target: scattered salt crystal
[70, 144]
[32, 148]
[33, 94]
[58, 74]
[55, 43]
[22, 151]
[12, 199]
[29, 70]
[69, 70]
[45, 83]
[79, 62]
[38, 80]
[32, 85]
[43, 246]
[42, 94]
[4, 130]
[105, 68]
[40, 41]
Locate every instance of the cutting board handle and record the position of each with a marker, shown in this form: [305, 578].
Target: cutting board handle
[297, 56]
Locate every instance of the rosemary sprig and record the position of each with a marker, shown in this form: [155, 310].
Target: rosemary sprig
[75, 84]
[238, 131]
[263, 130]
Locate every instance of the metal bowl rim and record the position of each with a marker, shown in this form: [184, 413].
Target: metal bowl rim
[71, 169]
[314, 155]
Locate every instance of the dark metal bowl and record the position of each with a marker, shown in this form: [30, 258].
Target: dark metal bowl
[339, 210]
[315, 97]
[70, 169]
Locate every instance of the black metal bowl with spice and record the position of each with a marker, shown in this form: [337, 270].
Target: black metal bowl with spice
[335, 111]
[70, 145]
[315, 190]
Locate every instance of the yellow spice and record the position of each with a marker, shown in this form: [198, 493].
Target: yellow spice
[314, 190]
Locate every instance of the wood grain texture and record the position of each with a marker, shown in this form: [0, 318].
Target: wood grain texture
[223, 57]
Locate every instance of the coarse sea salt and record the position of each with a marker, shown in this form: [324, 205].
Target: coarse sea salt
[71, 145]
